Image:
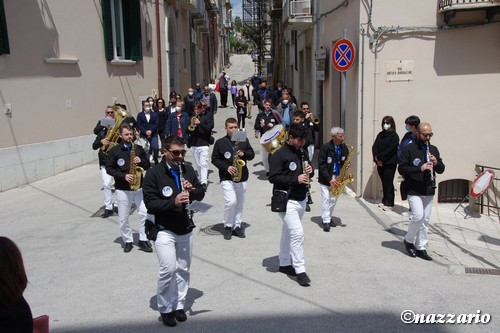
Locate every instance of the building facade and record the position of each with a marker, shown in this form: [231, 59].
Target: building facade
[434, 59]
[62, 62]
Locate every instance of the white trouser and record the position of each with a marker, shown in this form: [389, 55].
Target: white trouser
[174, 257]
[234, 194]
[421, 207]
[292, 236]
[200, 155]
[107, 182]
[265, 158]
[124, 201]
[328, 203]
[310, 151]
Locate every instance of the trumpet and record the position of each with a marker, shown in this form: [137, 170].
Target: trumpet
[315, 120]
[193, 126]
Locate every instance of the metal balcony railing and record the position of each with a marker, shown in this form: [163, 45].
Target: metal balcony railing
[462, 4]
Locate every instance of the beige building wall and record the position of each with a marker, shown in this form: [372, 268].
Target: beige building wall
[453, 85]
[56, 104]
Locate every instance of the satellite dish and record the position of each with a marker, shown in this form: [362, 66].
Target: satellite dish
[481, 183]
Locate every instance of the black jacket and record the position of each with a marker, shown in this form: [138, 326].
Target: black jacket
[100, 132]
[118, 164]
[284, 169]
[412, 157]
[385, 147]
[202, 133]
[326, 160]
[223, 156]
[160, 189]
[273, 117]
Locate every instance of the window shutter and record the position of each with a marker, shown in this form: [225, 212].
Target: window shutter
[107, 28]
[4, 38]
[132, 29]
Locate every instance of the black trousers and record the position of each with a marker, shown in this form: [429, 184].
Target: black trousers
[223, 97]
[386, 174]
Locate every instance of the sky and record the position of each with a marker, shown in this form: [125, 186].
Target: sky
[236, 8]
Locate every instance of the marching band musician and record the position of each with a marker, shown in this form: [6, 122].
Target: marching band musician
[118, 165]
[165, 197]
[313, 128]
[148, 123]
[224, 157]
[419, 162]
[331, 158]
[200, 132]
[266, 120]
[107, 181]
[289, 173]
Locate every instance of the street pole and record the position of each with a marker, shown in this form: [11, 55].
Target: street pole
[343, 77]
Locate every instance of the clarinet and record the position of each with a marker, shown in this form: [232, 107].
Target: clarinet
[189, 212]
[304, 165]
[428, 159]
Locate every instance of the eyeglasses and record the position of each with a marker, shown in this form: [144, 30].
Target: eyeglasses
[178, 152]
[427, 135]
[110, 112]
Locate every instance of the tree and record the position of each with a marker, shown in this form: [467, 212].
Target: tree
[238, 25]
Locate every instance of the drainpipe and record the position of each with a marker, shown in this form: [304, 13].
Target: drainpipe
[318, 85]
[158, 48]
[362, 117]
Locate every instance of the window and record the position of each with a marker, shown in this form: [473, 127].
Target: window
[4, 39]
[122, 29]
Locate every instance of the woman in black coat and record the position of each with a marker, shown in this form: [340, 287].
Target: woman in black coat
[384, 152]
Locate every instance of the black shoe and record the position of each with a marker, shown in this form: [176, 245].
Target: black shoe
[303, 279]
[288, 270]
[410, 248]
[423, 254]
[107, 213]
[309, 200]
[228, 231]
[238, 232]
[267, 174]
[145, 246]
[326, 227]
[332, 224]
[128, 247]
[308, 208]
[205, 187]
[180, 315]
[168, 319]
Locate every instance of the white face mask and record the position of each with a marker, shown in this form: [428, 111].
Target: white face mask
[248, 84]
[147, 110]
[285, 102]
[387, 126]
[178, 109]
[408, 128]
[190, 93]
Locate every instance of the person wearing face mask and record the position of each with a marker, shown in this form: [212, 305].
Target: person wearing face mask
[148, 123]
[249, 93]
[189, 100]
[277, 92]
[286, 109]
[151, 102]
[177, 123]
[262, 95]
[210, 100]
[172, 103]
[420, 161]
[162, 119]
[411, 127]
[198, 91]
[384, 152]
[256, 80]
[223, 89]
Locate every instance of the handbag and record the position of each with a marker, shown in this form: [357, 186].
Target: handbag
[151, 230]
[279, 201]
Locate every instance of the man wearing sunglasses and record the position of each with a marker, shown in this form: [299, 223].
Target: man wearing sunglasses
[420, 161]
[101, 131]
[168, 188]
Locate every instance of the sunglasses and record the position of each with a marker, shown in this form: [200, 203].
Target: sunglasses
[111, 112]
[178, 152]
[427, 135]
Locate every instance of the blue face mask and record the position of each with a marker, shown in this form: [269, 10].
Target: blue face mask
[408, 128]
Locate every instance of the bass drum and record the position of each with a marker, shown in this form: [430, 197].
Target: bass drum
[274, 138]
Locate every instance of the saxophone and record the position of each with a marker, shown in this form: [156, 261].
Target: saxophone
[113, 134]
[135, 171]
[238, 163]
[343, 178]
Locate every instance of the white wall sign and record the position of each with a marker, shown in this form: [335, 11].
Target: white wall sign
[399, 70]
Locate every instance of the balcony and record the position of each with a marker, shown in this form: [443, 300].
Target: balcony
[189, 4]
[228, 24]
[297, 14]
[450, 8]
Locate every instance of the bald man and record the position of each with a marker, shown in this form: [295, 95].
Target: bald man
[420, 161]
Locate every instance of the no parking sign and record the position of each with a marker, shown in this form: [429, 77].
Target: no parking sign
[343, 55]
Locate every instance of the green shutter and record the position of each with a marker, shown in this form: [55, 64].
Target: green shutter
[107, 28]
[4, 38]
[132, 29]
